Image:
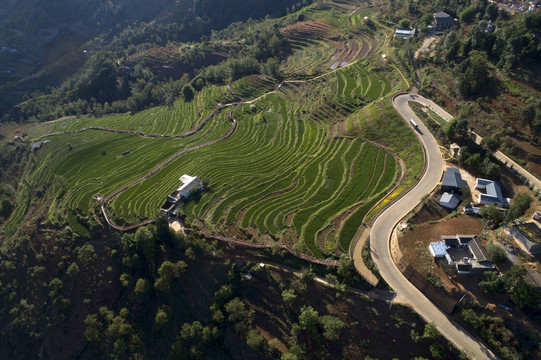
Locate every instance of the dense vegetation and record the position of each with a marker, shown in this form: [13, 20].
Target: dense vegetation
[87, 39]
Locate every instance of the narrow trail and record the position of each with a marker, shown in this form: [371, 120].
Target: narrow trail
[141, 133]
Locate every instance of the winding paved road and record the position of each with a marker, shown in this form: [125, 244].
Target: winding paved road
[385, 224]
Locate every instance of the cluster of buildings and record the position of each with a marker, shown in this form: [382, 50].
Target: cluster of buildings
[465, 252]
[188, 185]
[442, 22]
[518, 5]
[490, 192]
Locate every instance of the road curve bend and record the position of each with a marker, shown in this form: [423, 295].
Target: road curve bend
[385, 224]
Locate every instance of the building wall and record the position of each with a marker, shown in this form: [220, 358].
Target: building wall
[532, 248]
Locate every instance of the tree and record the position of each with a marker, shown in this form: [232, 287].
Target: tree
[308, 318]
[161, 317]
[125, 280]
[308, 275]
[188, 93]
[145, 244]
[141, 286]
[493, 283]
[236, 309]
[289, 296]
[254, 339]
[497, 253]
[332, 327]
[491, 144]
[490, 213]
[519, 206]
[527, 115]
[73, 269]
[467, 15]
[474, 74]
[346, 269]
[431, 331]
[524, 294]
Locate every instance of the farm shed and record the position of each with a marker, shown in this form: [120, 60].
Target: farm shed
[449, 201]
[405, 33]
[529, 234]
[36, 146]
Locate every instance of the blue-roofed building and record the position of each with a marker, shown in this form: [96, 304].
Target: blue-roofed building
[492, 193]
[452, 180]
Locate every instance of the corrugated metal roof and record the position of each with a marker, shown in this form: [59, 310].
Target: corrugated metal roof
[452, 178]
[478, 250]
[438, 249]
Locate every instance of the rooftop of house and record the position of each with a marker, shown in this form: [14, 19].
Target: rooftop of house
[452, 178]
[493, 192]
[454, 240]
[438, 248]
[531, 231]
[478, 250]
[405, 31]
[443, 17]
[449, 200]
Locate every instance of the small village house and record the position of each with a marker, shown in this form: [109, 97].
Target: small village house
[492, 193]
[442, 21]
[188, 184]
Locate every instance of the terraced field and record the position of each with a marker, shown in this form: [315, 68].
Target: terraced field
[318, 45]
[279, 173]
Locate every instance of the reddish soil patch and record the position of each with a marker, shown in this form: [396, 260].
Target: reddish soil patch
[415, 241]
[534, 161]
[449, 105]
[310, 29]
[430, 211]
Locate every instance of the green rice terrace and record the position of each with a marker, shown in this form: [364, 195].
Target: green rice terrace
[291, 163]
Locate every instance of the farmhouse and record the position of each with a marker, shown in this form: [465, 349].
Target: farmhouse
[529, 234]
[405, 33]
[452, 181]
[442, 21]
[188, 184]
[464, 251]
[493, 193]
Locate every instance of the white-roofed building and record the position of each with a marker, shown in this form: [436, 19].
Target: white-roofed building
[449, 201]
[188, 184]
[438, 249]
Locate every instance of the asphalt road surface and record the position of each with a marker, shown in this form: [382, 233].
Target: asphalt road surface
[383, 227]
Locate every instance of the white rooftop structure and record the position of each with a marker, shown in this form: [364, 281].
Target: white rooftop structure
[188, 184]
[449, 201]
[438, 249]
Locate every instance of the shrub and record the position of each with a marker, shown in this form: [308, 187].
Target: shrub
[497, 253]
